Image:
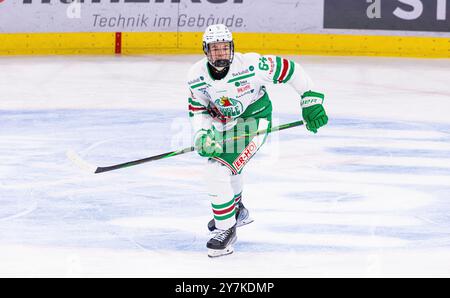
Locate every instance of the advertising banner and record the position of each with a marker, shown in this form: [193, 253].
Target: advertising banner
[402, 15]
[274, 16]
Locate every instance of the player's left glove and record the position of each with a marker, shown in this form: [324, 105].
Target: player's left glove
[207, 143]
[312, 110]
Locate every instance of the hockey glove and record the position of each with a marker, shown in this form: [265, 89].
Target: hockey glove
[207, 143]
[312, 111]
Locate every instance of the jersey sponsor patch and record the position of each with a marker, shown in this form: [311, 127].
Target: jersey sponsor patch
[272, 65]
[245, 156]
[240, 73]
[244, 88]
[195, 81]
[246, 93]
[241, 83]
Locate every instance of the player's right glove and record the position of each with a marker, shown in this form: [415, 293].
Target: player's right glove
[207, 143]
[312, 111]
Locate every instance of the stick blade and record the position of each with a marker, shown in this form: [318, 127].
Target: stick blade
[80, 163]
[101, 170]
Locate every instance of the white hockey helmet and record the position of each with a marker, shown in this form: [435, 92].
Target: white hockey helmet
[218, 33]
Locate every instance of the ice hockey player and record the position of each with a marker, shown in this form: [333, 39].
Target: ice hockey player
[228, 99]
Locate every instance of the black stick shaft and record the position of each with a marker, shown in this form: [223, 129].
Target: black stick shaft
[144, 160]
[189, 149]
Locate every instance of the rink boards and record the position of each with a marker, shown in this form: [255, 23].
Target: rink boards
[190, 43]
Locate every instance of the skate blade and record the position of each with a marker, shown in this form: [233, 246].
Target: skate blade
[244, 222]
[215, 253]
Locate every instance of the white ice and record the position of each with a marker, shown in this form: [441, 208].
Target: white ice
[369, 195]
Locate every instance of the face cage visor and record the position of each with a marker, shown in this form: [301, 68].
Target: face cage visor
[219, 62]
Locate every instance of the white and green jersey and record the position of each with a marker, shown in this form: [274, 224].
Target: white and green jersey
[240, 94]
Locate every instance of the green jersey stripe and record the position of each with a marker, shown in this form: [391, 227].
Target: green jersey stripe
[241, 77]
[198, 85]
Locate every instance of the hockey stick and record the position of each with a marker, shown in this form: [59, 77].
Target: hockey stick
[76, 159]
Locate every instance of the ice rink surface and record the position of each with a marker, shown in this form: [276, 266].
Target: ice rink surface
[369, 195]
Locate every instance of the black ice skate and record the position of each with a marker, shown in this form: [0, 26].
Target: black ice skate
[242, 218]
[222, 243]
